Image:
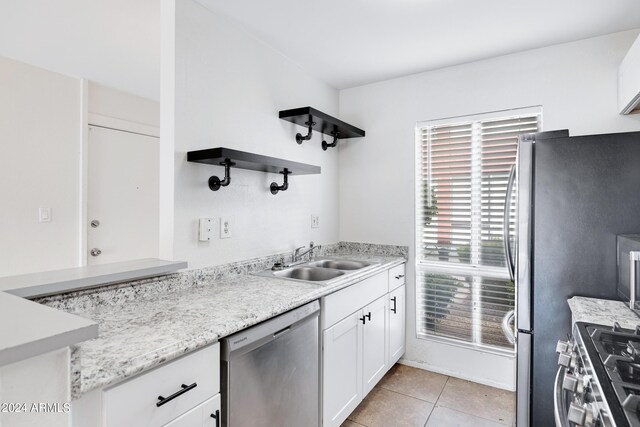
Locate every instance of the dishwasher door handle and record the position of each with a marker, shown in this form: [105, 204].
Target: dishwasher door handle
[281, 332]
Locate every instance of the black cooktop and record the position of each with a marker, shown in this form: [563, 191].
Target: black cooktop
[615, 354]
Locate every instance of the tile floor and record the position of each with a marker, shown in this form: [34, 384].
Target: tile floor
[410, 397]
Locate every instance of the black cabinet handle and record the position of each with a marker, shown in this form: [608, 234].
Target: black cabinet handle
[368, 316]
[399, 276]
[185, 388]
[216, 417]
[363, 319]
[394, 299]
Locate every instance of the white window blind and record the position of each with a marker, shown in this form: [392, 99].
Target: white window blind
[463, 285]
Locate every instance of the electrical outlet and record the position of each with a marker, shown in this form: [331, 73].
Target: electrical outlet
[206, 229]
[225, 227]
[315, 221]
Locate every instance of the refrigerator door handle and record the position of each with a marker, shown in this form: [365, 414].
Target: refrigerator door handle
[524, 174]
[506, 224]
[506, 328]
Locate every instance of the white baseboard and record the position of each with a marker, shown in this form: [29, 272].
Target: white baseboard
[439, 370]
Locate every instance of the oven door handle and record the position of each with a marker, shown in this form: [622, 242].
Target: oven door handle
[560, 407]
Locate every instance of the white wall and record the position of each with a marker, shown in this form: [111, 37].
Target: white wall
[40, 135]
[110, 102]
[114, 42]
[229, 88]
[41, 379]
[576, 84]
[43, 135]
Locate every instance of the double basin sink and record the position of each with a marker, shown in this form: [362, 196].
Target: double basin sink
[319, 271]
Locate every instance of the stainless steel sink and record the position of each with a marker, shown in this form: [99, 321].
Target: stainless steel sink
[310, 274]
[341, 264]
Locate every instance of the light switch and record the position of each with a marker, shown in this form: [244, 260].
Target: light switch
[44, 214]
[225, 227]
[206, 229]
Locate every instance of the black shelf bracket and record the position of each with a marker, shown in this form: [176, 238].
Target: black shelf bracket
[214, 181]
[275, 187]
[221, 156]
[326, 145]
[299, 138]
[321, 122]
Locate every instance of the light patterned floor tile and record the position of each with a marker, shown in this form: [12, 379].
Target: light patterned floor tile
[414, 382]
[384, 408]
[479, 400]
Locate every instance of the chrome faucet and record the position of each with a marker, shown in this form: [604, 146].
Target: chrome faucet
[296, 257]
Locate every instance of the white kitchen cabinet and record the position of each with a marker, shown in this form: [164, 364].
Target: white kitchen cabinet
[354, 360]
[357, 347]
[339, 305]
[396, 326]
[629, 80]
[374, 338]
[207, 414]
[396, 277]
[188, 385]
[342, 368]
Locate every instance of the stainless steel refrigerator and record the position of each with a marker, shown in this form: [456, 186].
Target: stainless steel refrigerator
[574, 195]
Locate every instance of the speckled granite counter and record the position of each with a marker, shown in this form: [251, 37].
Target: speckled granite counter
[145, 325]
[602, 312]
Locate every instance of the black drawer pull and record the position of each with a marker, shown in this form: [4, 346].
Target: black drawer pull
[185, 388]
[216, 417]
[399, 276]
[394, 299]
[363, 319]
[368, 316]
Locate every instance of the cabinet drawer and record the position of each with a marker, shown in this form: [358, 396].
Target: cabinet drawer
[340, 304]
[396, 277]
[206, 414]
[134, 402]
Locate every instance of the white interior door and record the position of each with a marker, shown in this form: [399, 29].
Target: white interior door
[122, 196]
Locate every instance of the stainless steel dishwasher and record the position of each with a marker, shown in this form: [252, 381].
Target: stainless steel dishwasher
[270, 372]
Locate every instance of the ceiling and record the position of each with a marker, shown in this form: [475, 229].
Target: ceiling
[113, 42]
[353, 42]
[343, 42]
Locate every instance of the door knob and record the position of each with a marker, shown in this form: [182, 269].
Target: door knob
[95, 252]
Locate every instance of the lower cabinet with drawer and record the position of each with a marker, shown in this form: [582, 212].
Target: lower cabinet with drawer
[182, 393]
[205, 414]
[363, 336]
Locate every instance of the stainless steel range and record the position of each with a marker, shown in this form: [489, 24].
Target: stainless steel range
[598, 382]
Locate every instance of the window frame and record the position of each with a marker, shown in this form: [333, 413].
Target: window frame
[444, 267]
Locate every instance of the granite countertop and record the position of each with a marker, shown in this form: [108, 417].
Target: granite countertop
[602, 312]
[57, 281]
[162, 324]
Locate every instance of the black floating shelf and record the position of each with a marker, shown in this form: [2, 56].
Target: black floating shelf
[229, 158]
[313, 119]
